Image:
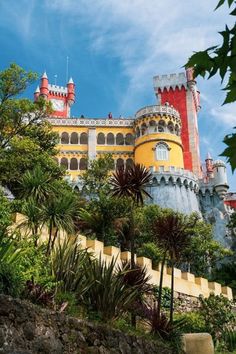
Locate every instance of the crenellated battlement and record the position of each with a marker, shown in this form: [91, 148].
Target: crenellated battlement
[185, 283]
[162, 82]
[57, 89]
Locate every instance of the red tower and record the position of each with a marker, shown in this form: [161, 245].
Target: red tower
[61, 97]
[180, 91]
[209, 165]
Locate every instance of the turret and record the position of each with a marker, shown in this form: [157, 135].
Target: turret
[36, 94]
[180, 91]
[209, 165]
[220, 178]
[70, 92]
[44, 86]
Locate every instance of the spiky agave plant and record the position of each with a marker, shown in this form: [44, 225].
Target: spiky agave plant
[107, 294]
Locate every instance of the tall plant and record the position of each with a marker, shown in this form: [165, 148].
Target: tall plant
[173, 232]
[130, 183]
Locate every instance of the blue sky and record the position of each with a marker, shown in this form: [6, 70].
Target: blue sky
[115, 48]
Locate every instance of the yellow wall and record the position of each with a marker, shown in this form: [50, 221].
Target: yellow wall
[145, 150]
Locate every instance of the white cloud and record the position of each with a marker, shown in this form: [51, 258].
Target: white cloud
[149, 37]
[226, 115]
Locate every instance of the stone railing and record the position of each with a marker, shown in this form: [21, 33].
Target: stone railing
[185, 283]
[91, 122]
[157, 109]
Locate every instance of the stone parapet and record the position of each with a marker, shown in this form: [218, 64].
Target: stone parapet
[185, 283]
[157, 109]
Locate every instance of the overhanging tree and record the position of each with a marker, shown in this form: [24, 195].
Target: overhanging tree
[222, 60]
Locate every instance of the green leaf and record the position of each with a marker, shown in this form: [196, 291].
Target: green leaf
[230, 2]
[220, 3]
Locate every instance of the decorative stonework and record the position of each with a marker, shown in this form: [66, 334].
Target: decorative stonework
[91, 122]
[157, 109]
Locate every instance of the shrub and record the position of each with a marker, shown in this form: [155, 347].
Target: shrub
[11, 282]
[150, 250]
[193, 322]
[217, 314]
[104, 292]
[165, 296]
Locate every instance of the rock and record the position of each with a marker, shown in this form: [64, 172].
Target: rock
[198, 343]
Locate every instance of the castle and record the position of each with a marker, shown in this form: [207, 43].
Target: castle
[162, 137]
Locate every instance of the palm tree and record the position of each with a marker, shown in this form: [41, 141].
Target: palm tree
[36, 184]
[33, 221]
[130, 183]
[173, 232]
[58, 213]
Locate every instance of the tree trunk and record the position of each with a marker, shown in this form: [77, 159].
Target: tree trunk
[132, 246]
[160, 286]
[49, 239]
[172, 293]
[54, 238]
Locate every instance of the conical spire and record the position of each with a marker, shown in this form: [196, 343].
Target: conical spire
[70, 81]
[44, 76]
[208, 157]
[37, 90]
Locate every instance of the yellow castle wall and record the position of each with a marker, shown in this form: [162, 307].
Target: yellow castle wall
[145, 150]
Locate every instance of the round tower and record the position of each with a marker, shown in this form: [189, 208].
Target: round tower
[70, 92]
[158, 142]
[36, 94]
[209, 165]
[220, 178]
[44, 86]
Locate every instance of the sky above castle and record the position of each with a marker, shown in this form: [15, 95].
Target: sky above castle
[114, 49]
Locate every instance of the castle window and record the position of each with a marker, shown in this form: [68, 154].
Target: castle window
[73, 164]
[119, 139]
[129, 163]
[74, 138]
[177, 131]
[119, 163]
[171, 127]
[83, 164]
[64, 138]
[64, 163]
[161, 126]
[137, 132]
[129, 139]
[101, 139]
[110, 139]
[162, 152]
[143, 129]
[84, 139]
[152, 127]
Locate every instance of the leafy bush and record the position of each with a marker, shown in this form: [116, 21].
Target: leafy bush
[217, 314]
[11, 282]
[37, 294]
[193, 322]
[150, 250]
[165, 296]
[229, 338]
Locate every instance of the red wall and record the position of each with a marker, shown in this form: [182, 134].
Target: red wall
[177, 98]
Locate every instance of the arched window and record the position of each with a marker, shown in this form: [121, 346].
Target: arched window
[171, 127]
[101, 139]
[64, 138]
[73, 164]
[162, 152]
[74, 138]
[137, 132]
[161, 126]
[84, 139]
[64, 163]
[143, 129]
[119, 139]
[129, 140]
[152, 126]
[129, 163]
[83, 164]
[177, 130]
[110, 139]
[119, 163]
